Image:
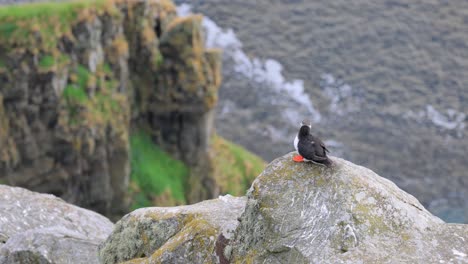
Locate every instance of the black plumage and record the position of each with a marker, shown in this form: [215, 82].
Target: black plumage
[311, 147]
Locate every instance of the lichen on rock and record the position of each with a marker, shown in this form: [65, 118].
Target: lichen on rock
[307, 213]
[184, 234]
[294, 213]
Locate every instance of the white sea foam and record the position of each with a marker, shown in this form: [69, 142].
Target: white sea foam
[268, 72]
[458, 253]
[448, 120]
[452, 120]
[340, 95]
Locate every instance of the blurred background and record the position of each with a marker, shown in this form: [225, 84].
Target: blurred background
[384, 82]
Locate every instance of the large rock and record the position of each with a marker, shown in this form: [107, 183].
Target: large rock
[295, 213]
[306, 213]
[41, 228]
[186, 234]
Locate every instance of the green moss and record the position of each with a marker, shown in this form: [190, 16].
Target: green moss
[7, 29]
[154, 171]
[40, 10]
[82, 75]
[73, 93]
[366, 213]
[195, 234]
[107, 68]
[158, 59]
[75, 97]
[105, 105]
[40, 25]
[235, 167]
[46, 61]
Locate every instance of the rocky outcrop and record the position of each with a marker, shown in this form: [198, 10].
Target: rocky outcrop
[347, 214]
[296, 213]
[70, 96]
[186, 234]
[40, 228]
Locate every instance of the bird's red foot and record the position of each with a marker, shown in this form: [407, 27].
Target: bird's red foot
[298, 158]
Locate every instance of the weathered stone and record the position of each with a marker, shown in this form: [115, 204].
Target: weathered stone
[184, 234]
[295, 213]
[306, 213]
[41, 228]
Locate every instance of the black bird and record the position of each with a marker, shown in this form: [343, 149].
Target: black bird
[310, 147]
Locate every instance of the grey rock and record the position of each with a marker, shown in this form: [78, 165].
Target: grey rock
[41, 228]
[306, 213]
[184, 234]
[294, 213]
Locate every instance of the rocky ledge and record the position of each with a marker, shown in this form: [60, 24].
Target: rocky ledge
[186, 234]
[295, 213]
[41, 228]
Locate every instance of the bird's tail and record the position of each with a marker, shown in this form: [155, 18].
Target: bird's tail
[328, 162]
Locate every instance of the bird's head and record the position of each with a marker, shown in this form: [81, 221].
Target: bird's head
[306, 122]
[306, 126]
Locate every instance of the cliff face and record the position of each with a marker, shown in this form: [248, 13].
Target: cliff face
[77, 78]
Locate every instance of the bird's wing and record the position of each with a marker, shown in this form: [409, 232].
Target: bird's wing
[307, 149]
[319, 149]
[324, 147]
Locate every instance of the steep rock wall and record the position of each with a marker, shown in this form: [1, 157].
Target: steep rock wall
[74, 79]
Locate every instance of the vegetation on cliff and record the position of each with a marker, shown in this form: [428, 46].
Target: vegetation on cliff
[156, 177]
[235, 168]
[77, 77]
[39, 27]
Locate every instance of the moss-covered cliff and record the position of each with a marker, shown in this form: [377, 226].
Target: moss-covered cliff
[79, 79]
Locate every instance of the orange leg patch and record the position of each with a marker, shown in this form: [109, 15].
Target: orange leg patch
[298, 158]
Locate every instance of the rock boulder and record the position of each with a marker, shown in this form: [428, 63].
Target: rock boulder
[295, 213]
[186, 234]
[306, 213]
[41, 228]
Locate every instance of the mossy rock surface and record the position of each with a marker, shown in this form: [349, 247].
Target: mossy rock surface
[307, 213]
[184, 234]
